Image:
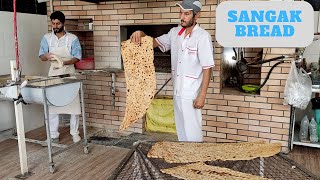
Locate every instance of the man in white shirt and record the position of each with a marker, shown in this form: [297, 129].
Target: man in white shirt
[191, 63]
[67, 48]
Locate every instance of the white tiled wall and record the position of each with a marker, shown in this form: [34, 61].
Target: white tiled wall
[31, 28]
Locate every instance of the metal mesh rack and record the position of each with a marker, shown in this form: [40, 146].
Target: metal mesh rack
[138, 166]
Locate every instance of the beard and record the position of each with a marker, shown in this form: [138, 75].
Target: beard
[58, 30]
[188, 24]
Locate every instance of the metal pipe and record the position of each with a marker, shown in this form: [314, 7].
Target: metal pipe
[46, 120]
[83, 116]
[291, 128]
[5, 130]
[19, 124]
[44, 143]
[214, 53]
[162, 87]
[16, 34]
[113, 89]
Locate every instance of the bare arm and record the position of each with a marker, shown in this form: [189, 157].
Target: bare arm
[71, 61]
[205, 81]
[45, 57]
[199, 102]
[155, 43]
[136, 38]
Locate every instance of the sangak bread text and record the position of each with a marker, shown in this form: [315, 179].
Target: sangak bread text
[200, 170]
[140, 78]
[186, 152]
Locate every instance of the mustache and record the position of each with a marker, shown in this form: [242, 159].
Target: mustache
[57, 30]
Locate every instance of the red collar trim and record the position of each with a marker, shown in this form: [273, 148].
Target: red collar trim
[181, 31]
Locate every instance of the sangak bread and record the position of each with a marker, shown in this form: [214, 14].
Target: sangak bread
[196, 171]
[186, 152]
[55, 61]
[140, 78]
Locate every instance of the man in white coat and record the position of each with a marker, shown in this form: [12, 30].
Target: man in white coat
[191, 63]
[64, 46]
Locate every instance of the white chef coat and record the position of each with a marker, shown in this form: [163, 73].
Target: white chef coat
[189, 56]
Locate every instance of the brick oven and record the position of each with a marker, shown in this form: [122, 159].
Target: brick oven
[162, 61]
[228, 116]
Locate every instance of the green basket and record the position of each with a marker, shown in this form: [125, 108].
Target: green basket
[250, 88]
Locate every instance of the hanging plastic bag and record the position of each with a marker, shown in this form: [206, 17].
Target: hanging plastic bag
[298, 89]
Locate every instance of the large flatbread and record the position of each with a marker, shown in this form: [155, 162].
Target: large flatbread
[56, 62]
[140, 78]
[200, 170]
[187, 152]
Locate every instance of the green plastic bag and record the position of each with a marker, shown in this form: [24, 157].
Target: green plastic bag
[160, 116]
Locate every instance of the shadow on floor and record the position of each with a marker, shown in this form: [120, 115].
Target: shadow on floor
[128, 141]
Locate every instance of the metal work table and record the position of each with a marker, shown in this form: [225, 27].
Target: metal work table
[47, 91]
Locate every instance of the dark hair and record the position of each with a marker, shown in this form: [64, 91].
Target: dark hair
[195, 13]
[58, 15]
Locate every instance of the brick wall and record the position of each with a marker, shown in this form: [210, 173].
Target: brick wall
[227, 116]
[80, 27]
[87, 43]
[98, 99]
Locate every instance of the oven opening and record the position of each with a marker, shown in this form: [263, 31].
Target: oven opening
[162, 60]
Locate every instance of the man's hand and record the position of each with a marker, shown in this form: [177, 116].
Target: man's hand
[136, 37]
[46, 57]
[199, 102]
[71, 61]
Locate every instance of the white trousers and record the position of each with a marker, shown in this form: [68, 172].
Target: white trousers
[54, 125]
[188, 120]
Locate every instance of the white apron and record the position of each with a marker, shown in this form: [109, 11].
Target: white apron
[64, 54]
